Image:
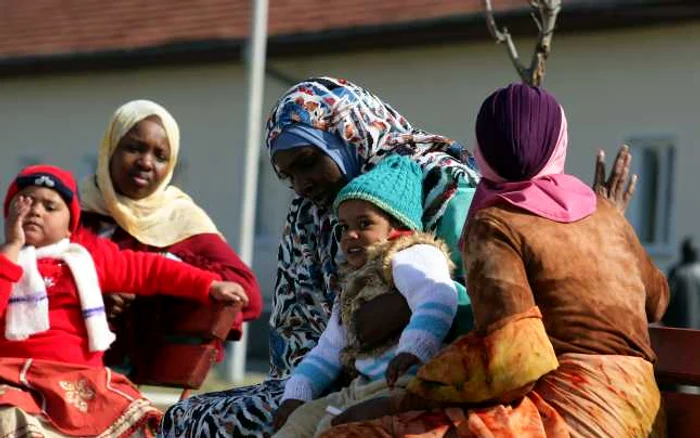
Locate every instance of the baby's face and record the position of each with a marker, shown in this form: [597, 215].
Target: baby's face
[362, 225]
[48, 221]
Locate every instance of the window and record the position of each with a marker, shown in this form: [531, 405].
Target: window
[652, 207]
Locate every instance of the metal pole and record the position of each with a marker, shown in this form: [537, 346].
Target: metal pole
[255, 66]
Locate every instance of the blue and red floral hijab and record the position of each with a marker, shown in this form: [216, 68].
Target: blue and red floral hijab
[357, 130]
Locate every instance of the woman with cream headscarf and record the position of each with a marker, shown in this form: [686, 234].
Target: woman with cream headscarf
[130, 201]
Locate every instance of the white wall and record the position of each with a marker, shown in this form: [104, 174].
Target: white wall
[61, 120]
[613, 86]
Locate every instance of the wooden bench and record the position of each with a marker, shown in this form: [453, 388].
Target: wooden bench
[678, 363]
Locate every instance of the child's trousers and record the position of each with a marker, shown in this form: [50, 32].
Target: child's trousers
[311, 419]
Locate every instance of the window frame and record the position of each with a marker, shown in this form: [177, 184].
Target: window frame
[667, 147]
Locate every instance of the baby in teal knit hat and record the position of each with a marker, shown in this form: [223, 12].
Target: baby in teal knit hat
[386, 252]
[384, 201]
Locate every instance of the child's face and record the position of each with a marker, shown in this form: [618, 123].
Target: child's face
[362, 225]
[48, 220]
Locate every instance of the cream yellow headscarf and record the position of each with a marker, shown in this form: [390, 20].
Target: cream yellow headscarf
[165, 217]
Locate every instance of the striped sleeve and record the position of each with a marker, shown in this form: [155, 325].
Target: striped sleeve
[321, 366]
[421, 273]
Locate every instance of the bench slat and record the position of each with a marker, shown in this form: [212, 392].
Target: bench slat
[678, 352]
[682, 414]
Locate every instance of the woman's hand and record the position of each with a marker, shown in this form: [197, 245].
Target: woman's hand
[398, 366]
[365, 411]
[116, 304]
[380, 406]
[228, 292]
[614, 188]
[284, 411]
[381, 319]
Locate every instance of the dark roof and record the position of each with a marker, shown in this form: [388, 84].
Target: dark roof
[49, 27]
[54, 32]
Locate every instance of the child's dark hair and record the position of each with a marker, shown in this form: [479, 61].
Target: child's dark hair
[395, 223]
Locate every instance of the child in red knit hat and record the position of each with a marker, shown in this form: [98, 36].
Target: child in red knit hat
[52, 318]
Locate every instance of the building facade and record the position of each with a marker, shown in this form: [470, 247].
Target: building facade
[636, 85]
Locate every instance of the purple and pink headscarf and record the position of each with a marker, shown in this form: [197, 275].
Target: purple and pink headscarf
[522, 138]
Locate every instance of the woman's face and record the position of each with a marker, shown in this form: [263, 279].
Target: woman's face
[311, 173]
[140, 161]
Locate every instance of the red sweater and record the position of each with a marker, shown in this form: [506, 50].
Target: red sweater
[66, 339]
[205, 251]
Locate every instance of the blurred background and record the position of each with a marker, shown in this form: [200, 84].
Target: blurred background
[626, 71]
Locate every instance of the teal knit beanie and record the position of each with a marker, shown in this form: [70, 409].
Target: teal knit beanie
[395, 186]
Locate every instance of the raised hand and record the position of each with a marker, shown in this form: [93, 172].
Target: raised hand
[228, 292]
[619, 187]
[14, 232]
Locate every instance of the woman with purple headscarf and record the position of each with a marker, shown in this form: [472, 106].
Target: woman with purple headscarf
[562, 292]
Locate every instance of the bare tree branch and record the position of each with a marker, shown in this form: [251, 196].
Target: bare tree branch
[491, 23]
[537, 22]
[544, 15]
[548, 11]
[503, 36]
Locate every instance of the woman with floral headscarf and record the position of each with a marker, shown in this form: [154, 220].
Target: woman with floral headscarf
[322, 133]
[130, 201]
[561, 346]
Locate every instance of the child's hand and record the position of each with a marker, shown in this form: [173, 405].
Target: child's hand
[14, 232]
[228, 292]
[398, 366]
[284, 411]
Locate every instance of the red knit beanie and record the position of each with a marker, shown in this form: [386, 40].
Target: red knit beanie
[51, 177]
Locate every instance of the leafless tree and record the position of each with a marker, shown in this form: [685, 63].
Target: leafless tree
[544, 13]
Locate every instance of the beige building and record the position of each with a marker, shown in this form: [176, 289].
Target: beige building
[624, 74]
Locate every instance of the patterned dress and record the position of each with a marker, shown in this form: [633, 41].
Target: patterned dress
[309, 252]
